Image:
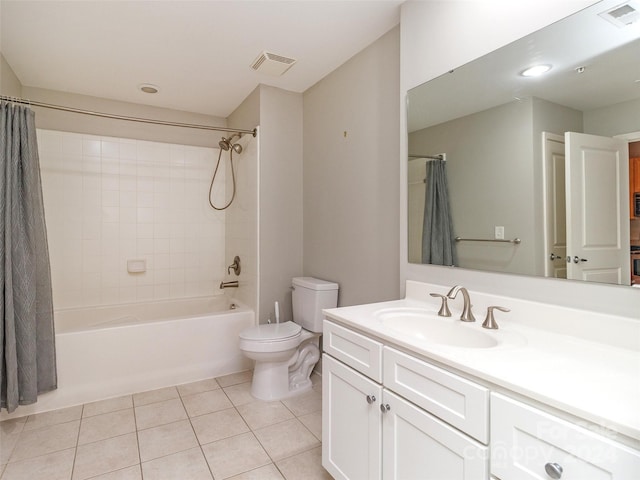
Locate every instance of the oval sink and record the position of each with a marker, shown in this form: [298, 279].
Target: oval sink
[428, 326]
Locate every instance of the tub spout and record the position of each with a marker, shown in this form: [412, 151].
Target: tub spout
[233, 284]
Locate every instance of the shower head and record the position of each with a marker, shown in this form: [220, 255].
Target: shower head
[225, 144]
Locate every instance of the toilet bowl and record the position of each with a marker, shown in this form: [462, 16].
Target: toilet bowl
[286, 353]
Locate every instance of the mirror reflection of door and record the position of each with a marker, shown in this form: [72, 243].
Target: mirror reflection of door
[597, 184]
[555, 218]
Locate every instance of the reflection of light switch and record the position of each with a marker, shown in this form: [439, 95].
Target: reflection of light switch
[499, 233]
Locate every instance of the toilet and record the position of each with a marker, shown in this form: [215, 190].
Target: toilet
[285, 353]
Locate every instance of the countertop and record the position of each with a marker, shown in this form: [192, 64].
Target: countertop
[584, 377]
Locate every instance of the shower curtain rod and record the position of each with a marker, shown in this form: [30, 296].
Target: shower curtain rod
[123, 117]
[430, 157]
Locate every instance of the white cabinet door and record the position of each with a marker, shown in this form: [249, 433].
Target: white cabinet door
[418, 446]
[351, 425]
[527, 443]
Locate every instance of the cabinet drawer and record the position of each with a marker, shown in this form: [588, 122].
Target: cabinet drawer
[524, 440]
[457, 401]
[359, 352]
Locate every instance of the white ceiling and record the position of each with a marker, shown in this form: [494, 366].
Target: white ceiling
[198, 52]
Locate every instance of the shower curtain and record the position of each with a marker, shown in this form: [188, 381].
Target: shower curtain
[27, 342]
[438, 243]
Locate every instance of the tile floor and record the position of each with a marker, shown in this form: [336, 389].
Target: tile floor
[213, 429]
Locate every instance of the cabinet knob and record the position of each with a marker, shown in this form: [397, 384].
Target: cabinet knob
[371, 399]
[385, 407]
[553, 470]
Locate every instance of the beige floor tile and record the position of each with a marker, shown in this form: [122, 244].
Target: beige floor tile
[129, 473]
[53, 466]
[106, 456]
[7, 444]
[235, 455]
[154, 396]
[218, 425]
[313, 421]
[268, 472]
[185, 465]
[166, 440]
[160, 413]
[286, 439]
[235, 378]
[305, 403]
[55, 417]
[46, 440]
[307, 465]
[206, 402]
[107, 425]
[198, 387]
[261, 414]
[107, 406]
[9, 427]
[240, 394]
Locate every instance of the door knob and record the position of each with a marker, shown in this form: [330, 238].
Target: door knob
[385, 407]
[577, 259]
[553, 257]
[371, 399]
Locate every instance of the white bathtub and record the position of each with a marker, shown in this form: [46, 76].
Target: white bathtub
[104, 352]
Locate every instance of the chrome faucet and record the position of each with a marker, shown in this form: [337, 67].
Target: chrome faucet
[233, 284]
[467, 314]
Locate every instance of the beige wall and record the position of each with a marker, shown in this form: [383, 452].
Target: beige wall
[77, 123]
[614, 119]
[280, 198]
[9, 83]
[350, 179]
[278, 173]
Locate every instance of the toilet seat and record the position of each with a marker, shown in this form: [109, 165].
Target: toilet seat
[272, 332]
[274, 337]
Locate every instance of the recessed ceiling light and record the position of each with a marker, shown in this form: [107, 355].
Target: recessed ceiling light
[148, 88]
[535, 71]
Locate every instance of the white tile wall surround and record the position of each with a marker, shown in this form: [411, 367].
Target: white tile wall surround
[108, 200]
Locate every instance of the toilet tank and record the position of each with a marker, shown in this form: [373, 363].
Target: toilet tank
[310, 296]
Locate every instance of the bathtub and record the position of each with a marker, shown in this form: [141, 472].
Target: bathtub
[105, 352]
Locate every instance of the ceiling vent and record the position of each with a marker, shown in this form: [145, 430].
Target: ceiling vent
[272, 64]
[624, 14]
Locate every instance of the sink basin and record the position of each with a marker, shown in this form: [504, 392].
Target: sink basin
[426, 325]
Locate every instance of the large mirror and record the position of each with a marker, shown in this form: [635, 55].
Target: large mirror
[523, 195]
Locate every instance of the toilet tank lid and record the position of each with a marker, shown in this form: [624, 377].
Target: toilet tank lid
[314, 283]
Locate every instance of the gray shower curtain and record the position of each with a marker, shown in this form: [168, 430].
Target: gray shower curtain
[438, 241]
[27, 341]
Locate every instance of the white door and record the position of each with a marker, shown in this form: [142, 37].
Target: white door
[597, 183]
[418, 446]
[351, 426]
[555, 212]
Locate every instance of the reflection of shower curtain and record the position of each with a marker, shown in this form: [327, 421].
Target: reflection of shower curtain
[438, 244]
[27, 343]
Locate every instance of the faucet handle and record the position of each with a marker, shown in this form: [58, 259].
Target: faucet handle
[489, 321]
[444, 308]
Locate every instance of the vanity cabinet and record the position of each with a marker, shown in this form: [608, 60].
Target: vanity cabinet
[381, 410]
[528, 443]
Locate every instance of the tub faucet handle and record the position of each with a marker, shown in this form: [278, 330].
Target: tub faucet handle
[444, 308]
[235, 266]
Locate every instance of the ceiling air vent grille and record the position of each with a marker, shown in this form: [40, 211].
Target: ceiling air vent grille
[272, 64]
[624, 14]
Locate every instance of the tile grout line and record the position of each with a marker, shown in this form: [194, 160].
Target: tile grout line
[75, 452]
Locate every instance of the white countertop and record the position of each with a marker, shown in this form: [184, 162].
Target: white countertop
[592, 375]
